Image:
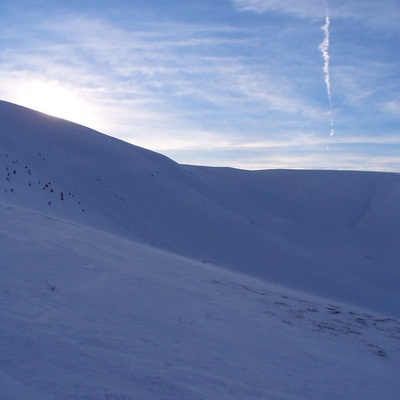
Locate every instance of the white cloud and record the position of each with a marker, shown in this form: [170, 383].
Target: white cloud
[150, 74]
[312, 157]
[304, 8]
[195, 89]
[360, 81]
[392, 107]
[380, 15]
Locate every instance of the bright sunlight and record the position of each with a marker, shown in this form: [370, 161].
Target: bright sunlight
[51, 97]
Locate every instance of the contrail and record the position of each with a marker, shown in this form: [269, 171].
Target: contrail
[324, 48]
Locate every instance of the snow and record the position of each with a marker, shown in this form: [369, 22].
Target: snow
[153, 280]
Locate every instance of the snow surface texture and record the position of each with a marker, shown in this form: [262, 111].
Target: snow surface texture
[112, 286]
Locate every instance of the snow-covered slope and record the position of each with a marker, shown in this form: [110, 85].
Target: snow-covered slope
[128, 276]
[86, 315]
[330, 233]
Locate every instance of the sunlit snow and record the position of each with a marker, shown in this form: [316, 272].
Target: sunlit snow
[128, 276]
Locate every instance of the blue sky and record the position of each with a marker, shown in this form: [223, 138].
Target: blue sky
[236, 83]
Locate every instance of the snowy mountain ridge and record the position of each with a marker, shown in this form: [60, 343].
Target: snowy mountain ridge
[287, 227]
[128, 276]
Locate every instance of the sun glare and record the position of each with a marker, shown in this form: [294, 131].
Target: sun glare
[54, 99]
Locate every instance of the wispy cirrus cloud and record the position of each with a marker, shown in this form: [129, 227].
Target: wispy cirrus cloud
[302, 9]
[242, 88]
[166, 72]
[303, 156]
[377, 15]
[363, 87]
[392, 107]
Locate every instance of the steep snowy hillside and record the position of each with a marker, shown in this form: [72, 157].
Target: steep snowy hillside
[86, 315]
[328, 233]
